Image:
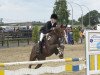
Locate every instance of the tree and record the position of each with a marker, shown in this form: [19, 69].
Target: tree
[94, 18]
[60, 9]
[74, 22]
[35, 34]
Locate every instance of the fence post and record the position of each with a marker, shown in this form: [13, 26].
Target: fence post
[18, 42]
[7, 42]
[28, 41]
[2, 42]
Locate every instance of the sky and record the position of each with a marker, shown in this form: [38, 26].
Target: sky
[40, 10]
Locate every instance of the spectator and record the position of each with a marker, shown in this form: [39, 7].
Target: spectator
[81, 36]
[70, 36]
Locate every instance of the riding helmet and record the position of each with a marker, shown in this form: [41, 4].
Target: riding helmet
[54, 16]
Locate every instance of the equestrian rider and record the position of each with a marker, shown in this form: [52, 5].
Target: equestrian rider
[47, 28]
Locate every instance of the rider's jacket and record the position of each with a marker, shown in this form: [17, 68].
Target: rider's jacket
[46, 28]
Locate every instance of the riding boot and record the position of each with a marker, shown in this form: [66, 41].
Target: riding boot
[40, 47]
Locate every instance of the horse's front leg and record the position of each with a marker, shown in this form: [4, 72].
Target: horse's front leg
[58, 50]
[40, 58]
[54, 46]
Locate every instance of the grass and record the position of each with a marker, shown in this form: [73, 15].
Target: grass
[22, 54]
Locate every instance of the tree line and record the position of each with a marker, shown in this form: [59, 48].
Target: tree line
[60, 8]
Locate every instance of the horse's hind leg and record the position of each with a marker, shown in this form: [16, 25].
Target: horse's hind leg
[33, 55]
[32, 58]
[39, 65]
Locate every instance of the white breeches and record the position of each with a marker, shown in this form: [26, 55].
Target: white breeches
[41, 36]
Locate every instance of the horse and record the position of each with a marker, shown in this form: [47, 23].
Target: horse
[53, 43]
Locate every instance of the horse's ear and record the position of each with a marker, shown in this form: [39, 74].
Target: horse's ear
[57, 25]
[61, 26]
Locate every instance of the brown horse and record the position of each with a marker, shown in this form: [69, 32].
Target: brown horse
[53, 44]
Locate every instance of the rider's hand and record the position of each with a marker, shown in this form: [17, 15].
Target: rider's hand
[46, 34]
[52, 28]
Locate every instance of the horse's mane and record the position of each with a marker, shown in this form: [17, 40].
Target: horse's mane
[57, 31]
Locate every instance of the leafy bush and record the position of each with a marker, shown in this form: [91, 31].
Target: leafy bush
[76, 35]
[35, 34]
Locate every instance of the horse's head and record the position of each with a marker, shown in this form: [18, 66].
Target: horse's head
[59, 33]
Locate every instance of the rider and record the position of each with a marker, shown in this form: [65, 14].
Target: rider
[47, 28]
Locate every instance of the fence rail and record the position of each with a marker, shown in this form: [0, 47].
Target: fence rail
[6, 38]
[43, 61]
